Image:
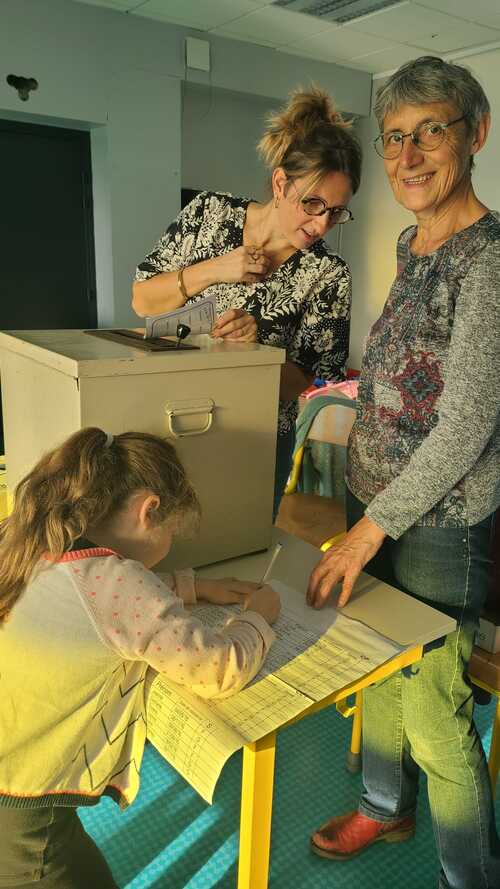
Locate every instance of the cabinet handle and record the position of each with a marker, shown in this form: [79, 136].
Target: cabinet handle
[184, 410]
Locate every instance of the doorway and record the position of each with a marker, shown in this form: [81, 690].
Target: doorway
[47, 274]
[47, 271]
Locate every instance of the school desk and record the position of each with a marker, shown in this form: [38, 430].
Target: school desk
[384, 608]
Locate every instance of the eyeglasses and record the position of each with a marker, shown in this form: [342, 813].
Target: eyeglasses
[318, 207]
[427, 136]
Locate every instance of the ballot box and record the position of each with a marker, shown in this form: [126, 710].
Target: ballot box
[217, 403]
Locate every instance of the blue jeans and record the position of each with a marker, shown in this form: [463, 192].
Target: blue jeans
[422, 717]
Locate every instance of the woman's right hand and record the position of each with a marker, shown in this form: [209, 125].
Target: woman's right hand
[243, 264]
[344, 561]
[265, 601]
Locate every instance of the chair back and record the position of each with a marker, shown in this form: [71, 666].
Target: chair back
[332, 425]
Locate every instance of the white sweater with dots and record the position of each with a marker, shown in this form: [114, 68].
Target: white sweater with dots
[73, 658]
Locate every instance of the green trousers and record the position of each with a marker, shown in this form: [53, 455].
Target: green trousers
[48, 848]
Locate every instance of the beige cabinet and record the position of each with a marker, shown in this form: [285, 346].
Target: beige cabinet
[217, 404]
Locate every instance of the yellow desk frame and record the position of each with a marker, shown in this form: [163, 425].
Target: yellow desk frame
[258, 778]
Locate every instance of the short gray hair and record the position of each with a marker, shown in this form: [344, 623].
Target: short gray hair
[430, 79]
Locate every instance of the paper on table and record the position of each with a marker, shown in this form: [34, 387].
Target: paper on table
[197, 737]
[310, 659]
[342, 655]
[183, 730]
[199, 317]
[317, 636]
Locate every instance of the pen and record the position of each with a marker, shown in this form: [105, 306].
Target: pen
[276, 551]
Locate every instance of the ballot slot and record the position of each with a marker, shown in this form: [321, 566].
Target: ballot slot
[139, 341]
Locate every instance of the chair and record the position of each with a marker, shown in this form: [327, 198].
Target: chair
[319, 519]
[313, 517]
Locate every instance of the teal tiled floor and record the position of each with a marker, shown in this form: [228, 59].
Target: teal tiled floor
[170, 839]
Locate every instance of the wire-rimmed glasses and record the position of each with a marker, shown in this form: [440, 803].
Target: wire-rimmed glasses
[318, 207]
[428, 136]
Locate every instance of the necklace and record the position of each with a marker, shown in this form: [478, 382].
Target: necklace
[255, 237]
[255, 240]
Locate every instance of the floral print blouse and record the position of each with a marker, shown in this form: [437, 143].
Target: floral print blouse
[303, 306]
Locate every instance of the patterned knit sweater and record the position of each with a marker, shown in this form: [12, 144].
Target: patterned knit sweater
[425, 447]
[73, 660]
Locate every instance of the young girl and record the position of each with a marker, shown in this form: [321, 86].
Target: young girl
[82, 617]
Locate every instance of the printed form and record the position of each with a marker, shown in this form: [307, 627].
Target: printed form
[199, 316]
[315, 654]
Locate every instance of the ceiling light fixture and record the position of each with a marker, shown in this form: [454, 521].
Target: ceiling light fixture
[338, 11]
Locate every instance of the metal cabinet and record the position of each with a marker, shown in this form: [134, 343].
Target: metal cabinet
[218, 404]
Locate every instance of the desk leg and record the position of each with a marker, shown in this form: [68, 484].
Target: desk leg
[256, 813]
[353, 763]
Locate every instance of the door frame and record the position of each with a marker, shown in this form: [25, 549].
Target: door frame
[84, 137]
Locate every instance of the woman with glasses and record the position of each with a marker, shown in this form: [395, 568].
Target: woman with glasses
[275, 280]
[423, 475]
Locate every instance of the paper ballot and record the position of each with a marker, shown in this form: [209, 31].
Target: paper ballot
[313, 656]
[199, 317]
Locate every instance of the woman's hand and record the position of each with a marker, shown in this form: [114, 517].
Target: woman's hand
[225, 590]
[236, 324]
[346, 560]
[243, 264]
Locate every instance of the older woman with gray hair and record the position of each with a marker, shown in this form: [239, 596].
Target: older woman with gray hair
[423, 475]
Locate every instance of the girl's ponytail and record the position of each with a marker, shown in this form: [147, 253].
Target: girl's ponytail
[78, 485]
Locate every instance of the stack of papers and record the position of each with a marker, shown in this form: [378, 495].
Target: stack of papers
[314, 655]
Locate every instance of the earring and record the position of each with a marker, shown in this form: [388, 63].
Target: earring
[276, 202]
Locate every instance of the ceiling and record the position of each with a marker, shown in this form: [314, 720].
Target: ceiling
[376, 41]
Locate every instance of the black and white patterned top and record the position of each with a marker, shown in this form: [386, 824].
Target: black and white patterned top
[303, 306]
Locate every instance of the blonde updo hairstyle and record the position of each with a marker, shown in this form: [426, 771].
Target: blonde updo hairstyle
[308, 138]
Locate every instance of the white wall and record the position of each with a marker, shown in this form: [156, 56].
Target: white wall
[95, 74]
[220, 130]
[486, 68]
[119, 76]
[369, 243]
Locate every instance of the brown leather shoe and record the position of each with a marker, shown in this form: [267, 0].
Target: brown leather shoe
[348, 835]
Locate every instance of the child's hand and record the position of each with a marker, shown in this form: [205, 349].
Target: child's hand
[225, 591]
[265, 601]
